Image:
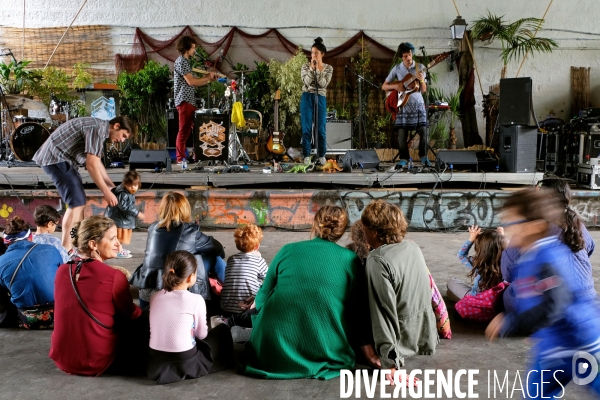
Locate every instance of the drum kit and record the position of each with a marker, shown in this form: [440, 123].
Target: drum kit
[22, 135]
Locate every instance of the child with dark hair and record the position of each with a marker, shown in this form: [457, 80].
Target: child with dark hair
[176, 352]
[485, 272]
[565, 325]
[570, 230]
[46, 219]
[125, 212]
[244, 274]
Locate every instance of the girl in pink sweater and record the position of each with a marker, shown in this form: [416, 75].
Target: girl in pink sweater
[180, 345]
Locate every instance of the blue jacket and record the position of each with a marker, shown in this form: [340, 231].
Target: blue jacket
[34, 282]
[549, 301]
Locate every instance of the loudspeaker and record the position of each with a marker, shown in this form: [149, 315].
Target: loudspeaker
[515, 101]
[149, 159]
[517, 148]
[211, 137]
[368, 159]
[339, 135]
[173, 128]
[456, 158]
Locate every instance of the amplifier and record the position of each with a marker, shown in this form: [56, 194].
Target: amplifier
[150, 159]
[339, 136]
[587, 176]
[589, 113]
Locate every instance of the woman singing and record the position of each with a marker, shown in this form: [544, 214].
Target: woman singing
[315, 70]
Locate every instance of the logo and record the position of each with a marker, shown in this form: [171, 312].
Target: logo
[584, 368]
[27, 129]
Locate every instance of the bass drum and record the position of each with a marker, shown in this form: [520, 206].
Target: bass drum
[27, 139]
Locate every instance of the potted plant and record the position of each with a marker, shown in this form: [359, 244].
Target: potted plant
[453, 116]
[438, 134]
[379, 127]
[14, 77]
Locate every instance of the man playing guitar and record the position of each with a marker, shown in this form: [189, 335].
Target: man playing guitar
[413, 115]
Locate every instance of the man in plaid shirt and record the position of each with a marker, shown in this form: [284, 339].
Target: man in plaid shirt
[78, 142]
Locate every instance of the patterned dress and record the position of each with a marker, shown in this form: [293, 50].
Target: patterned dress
[412, 116]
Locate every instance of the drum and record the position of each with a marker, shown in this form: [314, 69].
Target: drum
[21, 119]
[27, 139]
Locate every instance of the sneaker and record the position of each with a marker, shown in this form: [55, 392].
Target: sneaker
[123, 254]
[425, 161]
[218, 320]
[402, 163]
[322, 160]
[306, 160]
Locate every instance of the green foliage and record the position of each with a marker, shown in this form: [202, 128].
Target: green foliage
[379, 128]
[48, 82]
[454, 107]
[286, 77]
[14, 77]
[144, 97]
[517, 38]
[81, 76]
[439, 132]
[435, 94]
[257, 88]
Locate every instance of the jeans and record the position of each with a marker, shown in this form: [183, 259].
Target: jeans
[186, 123]
[306, 120]
[403, 145]
[215, 265]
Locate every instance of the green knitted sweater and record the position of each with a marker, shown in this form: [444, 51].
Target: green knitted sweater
[302, 328]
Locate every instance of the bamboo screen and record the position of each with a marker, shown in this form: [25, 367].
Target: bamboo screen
[90, 44]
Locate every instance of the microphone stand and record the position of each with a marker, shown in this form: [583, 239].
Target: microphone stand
[361, 124]
[315, 131]
[426, 99]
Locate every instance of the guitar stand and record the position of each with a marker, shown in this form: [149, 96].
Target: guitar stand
[236, 150]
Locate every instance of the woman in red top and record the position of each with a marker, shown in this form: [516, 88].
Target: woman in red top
[86, 342]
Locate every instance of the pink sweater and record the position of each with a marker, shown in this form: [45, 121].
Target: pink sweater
[177, 318]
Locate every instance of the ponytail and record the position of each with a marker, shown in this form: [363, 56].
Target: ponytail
[178, 267]
[572, 233]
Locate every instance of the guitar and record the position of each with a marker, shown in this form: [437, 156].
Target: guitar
[275, 142]
[410, 84]
[205, 72]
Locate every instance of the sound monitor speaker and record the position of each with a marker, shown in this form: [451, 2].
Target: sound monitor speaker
[355, 158]
[173, 128]
[339, 136]
[149, 159]
[457, 158]
[515, 101]
[517, 148]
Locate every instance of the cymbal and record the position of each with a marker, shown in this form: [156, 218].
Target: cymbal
[24, 102]
[242, 71]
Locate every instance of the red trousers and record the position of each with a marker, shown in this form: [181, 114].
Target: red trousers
[186, 123]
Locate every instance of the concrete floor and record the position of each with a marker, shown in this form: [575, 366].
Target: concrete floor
[26, 372]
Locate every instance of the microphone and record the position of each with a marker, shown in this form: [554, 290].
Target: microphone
[421, 48]
[315, 63]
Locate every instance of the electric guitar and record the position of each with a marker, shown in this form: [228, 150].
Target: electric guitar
[275, 142]
[410, 84]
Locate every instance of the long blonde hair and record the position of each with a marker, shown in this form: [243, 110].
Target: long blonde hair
[174, 209]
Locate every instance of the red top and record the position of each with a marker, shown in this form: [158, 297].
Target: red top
[79, 345]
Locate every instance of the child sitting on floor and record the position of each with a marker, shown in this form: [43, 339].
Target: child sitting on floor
[244, 274]
[46, 219]
[485, 271]
[176, 351]
[125, 212]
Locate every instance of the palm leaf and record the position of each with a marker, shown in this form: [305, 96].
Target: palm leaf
[521, 46]
[487, 28]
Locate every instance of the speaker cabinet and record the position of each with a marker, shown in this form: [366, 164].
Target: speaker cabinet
[355, 158]
[457, 158]
[515, 101]
[339, 136]
[173, 128]
[149, 159]
[517, 148]
[211, 137]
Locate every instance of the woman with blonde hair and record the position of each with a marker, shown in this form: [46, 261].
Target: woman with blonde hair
[399, 292]
[176, 231]
[97, 326]
[306, 306]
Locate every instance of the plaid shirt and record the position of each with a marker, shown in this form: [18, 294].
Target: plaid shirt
[72, 141]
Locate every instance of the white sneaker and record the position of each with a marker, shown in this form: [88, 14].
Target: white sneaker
[306, 160]
[322, 160]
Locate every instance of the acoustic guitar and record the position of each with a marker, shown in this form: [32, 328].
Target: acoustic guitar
[410, 84]
[275, 142]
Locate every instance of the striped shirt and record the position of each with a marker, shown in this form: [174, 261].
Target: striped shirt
[72, 141]
[323, 78]
[47, 238]
[182, 90]
[244, 274]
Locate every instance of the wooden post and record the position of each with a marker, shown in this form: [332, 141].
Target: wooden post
[580, 89]
[466, 78]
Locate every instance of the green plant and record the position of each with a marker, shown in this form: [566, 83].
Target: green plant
[81, 76]
[14, 77]
[454, 107]
[439, 132]
[517, 38]
[435, 94]
[49, 82]
[379, 128]
[286, 77]
[144, 97]
[257, 87]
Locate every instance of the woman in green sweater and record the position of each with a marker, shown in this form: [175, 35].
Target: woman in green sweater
[302, 326]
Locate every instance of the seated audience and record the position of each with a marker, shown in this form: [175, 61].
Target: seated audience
[46, 219]
[306, 306]
[27, 272]
[98, 327]
[175, 231]
[176, 352]
[244, 273]
[402, 318]
[359, 242]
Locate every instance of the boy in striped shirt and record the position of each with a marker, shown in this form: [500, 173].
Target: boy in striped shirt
[244, 274]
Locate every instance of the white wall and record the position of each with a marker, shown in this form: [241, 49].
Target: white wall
[573, 24]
